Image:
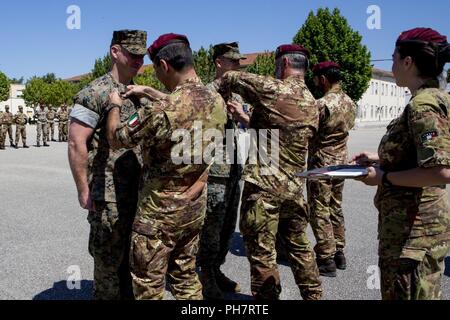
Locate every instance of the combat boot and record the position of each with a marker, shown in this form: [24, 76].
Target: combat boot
[38, 145]
[25, 146]
[226, 284]
[327, 267]
[46, 144]
[16, 146]
[211, 290]
[339, 259]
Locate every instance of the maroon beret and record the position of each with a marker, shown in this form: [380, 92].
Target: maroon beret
[422, 34]
[291, 48]
[165, 40]
[324, 66]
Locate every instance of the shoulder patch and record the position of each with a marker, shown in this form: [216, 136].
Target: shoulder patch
[428, 136]
[133, 121]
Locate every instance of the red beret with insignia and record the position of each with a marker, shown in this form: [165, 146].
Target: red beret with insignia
[165, 40]
[324, 66]
[291, 48]
[422, 34]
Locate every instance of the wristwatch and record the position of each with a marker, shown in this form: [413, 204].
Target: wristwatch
[385, 181]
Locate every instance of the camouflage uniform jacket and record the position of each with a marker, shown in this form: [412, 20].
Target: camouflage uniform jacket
[337, 117]
[411, 219]
[169, 185]
[62, 116]
[41, 115]
[224, 170]
[8, 118]
[1, 119]
[113, 174]
[51, 115]
[284, 105]
[20, 119]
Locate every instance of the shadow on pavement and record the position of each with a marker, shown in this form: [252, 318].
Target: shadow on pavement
[447, 267]
[61, 292]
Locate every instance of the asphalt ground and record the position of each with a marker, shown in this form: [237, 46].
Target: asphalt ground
[44, 233]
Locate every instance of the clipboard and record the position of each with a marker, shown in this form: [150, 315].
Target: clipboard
[335, 172]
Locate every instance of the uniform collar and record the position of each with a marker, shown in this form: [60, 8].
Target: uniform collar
[187, 83]
[335, 89]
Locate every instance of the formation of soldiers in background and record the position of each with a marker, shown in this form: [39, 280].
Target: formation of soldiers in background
[45, 118]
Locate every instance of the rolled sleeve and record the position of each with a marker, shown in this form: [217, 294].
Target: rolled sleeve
[85, 115]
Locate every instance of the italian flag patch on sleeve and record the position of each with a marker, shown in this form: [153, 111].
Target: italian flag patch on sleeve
[133, 121]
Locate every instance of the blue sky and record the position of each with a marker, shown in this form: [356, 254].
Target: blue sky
[35, 39]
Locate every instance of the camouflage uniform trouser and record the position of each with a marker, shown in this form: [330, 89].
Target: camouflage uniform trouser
[221, 218]
[262, 216]
[327, 218]
[21, 131]
[42, 128]
[408, 279]
[166, 246]
[2, 137]
[62, 131]
[109, 244]
[51, 131]
[7, 129]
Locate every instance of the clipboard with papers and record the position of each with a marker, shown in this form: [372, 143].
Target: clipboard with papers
[335, 172]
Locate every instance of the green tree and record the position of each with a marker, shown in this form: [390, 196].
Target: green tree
[204, 65]
[101, 66]
[34, 91]
[49, 78]
[329, 37]
[17, 81]
[264, 65]
[4, 87]
[148, 78]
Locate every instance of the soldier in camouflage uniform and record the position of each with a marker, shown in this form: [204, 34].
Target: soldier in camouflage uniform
[273, 200]
[414, 167]
[41, 125]
[8, 120]
[172, 201]
[224, 193]
[51, 115]
[21, 120]
[63, 119]
[337, 118]
[2, 136]
[107, 180]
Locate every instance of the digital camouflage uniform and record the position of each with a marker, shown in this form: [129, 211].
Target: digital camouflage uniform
[51, 115]
[224, 195]
[2, 136]
[414, 223]
[63, 119]
[113, 178]
[21, 120]
[172, 199]
[337, 118]
[274, 203]
[41, 125]
[8, 120]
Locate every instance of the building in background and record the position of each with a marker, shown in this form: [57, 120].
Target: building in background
[15, 100]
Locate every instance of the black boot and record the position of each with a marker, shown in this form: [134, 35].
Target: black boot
[339, 259]
[211, 290]
[226, 284]
[46, 144]
[25, 146]
[327, 267]
[38, 145]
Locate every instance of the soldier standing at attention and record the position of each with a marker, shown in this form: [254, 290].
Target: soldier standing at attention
[273, 202]
[173, 195]
[51, 115]
[224, 193]
[8, 118]
[41, 125]
[413, 168]
[337, 117]
[63, 119]
[107, 180]
[21, 120]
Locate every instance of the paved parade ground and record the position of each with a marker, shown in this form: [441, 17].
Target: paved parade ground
[44, 233]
